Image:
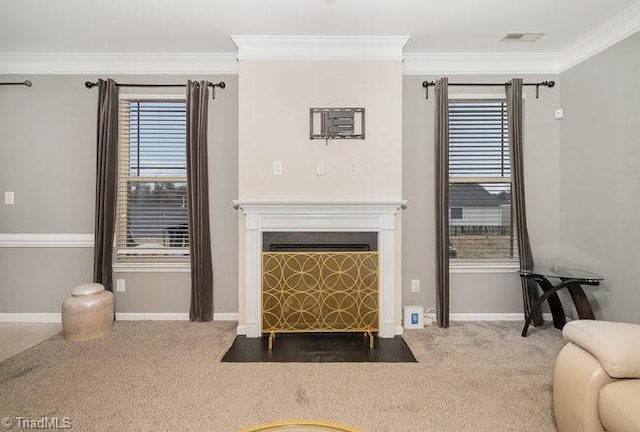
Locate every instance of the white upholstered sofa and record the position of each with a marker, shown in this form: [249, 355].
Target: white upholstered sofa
[596, 379]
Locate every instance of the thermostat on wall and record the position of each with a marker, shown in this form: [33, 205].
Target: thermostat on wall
[413, 317]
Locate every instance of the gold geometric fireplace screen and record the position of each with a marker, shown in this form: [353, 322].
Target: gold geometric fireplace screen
[319, 292]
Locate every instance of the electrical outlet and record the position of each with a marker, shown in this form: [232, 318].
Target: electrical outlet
[277, 167]
[320, 168]
[120, 285]
[415, 285]
[559, 113]
[9, 197]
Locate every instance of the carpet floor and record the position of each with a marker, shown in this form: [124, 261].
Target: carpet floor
[148, 376]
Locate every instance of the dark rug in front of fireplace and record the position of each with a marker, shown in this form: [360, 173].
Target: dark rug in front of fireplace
[319, 348]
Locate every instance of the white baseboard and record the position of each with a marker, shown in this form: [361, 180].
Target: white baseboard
[500, 316]
[225, 316]
[150, 316]
[56, 317]
[53, 317]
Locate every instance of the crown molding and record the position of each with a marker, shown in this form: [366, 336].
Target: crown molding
[611, 32]
[602, 37]
[320, 47]
[118, 63]
[480, 63]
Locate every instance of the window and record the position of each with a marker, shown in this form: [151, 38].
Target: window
[480, 224]
[456, 213]
[152, 183]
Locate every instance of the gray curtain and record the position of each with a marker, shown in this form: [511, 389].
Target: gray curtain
[441, 143]
[198, 202]
[106, 182]
[518, 209]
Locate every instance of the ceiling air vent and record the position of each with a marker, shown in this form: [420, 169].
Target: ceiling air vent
[522, 37]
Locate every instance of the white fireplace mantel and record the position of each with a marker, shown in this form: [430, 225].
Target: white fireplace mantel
[371, 216]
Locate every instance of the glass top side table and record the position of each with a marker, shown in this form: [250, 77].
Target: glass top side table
[570, 278]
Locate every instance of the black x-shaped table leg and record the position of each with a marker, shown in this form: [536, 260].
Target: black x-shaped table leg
[583, 307]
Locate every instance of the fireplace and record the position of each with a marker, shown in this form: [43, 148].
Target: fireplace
[323, 225]
[314, 241]
[319, 282]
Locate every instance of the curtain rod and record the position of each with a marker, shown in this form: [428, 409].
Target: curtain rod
[427, 84]
[26, 83]
[221, 84]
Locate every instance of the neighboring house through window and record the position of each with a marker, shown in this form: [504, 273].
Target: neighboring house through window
[152, 219]
[456, 212]
[480, 223]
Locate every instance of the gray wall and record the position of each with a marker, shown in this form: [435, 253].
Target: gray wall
[476, 292]
[47, 153]
[47, 157]
[600, 175]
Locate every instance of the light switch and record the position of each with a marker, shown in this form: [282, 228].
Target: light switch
[559, 113]
[277, 167]
[9, 197]
[353, 168]
[320, 168]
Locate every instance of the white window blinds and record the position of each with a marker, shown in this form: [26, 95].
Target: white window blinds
[152, 183]
[480, 223]
[478, 139]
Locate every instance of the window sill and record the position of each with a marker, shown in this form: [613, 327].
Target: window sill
[152, 267]
[483, 267]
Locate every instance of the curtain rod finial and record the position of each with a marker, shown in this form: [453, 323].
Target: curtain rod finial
[28, 83]
[426, 85]
[89, 84]
[222, 84]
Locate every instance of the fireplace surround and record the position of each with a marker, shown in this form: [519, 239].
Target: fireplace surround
[262, 217]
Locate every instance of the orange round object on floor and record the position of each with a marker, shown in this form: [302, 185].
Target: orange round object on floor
[300, 426]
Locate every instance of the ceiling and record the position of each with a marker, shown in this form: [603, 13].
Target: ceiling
[204, 26]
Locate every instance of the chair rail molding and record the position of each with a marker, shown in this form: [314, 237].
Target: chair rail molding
[46, 240]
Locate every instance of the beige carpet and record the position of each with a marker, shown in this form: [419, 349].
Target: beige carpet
[168, 376]
[17, 337]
